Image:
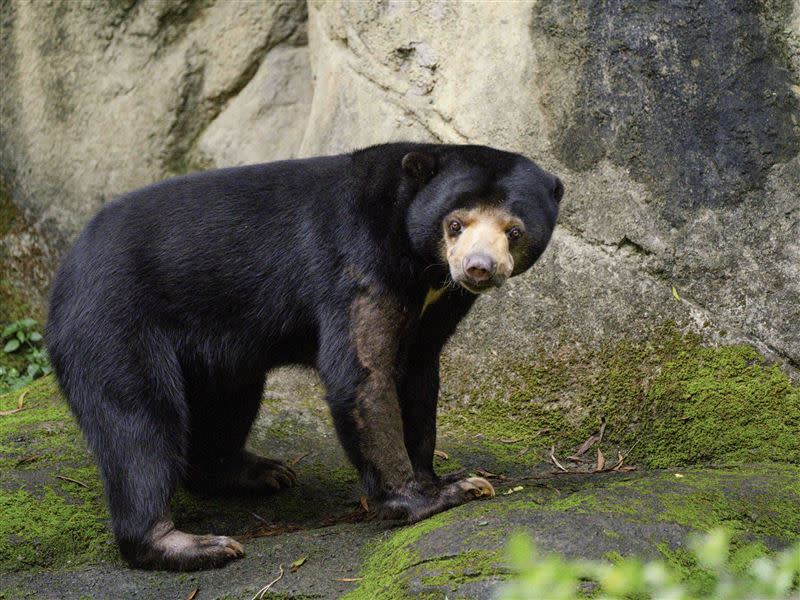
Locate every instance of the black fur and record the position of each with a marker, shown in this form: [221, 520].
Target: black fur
[178, 298]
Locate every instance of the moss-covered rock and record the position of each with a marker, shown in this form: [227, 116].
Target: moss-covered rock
[599, 517]
[677, 400]
[670, 398]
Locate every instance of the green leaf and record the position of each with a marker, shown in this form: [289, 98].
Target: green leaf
[21, 336]
[33, 370]
[298, 563]
[28, 323]
[10, 328]
[11, 346]
[35, 336]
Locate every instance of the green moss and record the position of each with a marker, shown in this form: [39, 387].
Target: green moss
[47, 521]
[722, 405]
[475, 565]
[58, 525]
[17, 594]
[753, 500]
[613, 556]
[677, 401]
[387, 560]
[688, 570]
[43, 433]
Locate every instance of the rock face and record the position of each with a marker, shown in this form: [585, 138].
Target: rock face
[676, 130]
[675, 127]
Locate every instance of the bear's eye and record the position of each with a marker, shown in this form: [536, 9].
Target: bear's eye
[454, 227]
[515, 233]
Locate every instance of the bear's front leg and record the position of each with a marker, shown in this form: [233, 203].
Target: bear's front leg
[357, 362]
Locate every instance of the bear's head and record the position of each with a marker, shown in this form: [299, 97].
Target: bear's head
[485, 214]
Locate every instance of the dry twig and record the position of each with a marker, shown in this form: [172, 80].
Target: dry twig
[71, 480]
[260, 593]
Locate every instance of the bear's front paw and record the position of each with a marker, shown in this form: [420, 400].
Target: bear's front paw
[414, 504]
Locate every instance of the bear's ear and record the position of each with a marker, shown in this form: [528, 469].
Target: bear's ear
[558, 191]
[419, 165]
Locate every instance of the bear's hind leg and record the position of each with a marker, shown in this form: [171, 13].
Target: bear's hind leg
[133, 413]
[218, 463]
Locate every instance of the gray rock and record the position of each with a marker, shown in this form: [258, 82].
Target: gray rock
[674, 126]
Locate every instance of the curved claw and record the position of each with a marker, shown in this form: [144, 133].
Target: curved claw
[478, 486]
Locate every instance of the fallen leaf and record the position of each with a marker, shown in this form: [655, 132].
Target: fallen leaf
[349, 579]
[21, 399]
[3, 413]
[601, 461]
[622, 457]
[362, 502]
[71, 480]
[193, 594]
[28, 459]
[593, 439]
[590, 441]
[679, 475]
[675, 294]
[297, 459]
[441, 454]
[523, 451]
[510, 491]
[298, 563]
[510, 441]
[620, 462]
[555, 460]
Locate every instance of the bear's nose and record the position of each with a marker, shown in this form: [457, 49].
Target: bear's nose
[479, 267]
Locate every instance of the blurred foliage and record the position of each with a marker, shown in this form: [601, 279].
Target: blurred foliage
[556, 578]
[22, 339]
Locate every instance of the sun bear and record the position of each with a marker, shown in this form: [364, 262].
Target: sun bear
[177, 299]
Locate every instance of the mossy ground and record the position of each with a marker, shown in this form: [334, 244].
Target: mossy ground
[680, 403]
[47, 521]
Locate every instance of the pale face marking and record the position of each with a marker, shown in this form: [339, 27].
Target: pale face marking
[482, 231]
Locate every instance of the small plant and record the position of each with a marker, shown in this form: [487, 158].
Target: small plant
[549, 576]
[22, 338]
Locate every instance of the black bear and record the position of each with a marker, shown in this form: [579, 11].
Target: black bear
[177, 299]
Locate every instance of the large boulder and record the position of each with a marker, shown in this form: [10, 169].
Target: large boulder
[673, 125]
[101, 98]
